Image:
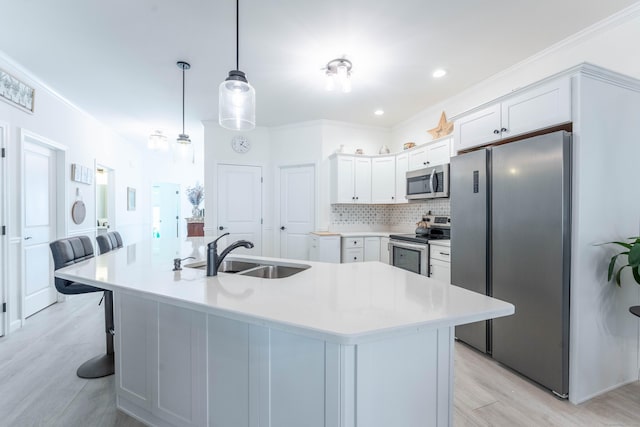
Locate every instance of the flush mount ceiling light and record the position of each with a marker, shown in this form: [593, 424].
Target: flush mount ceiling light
[237, 99]
[439, 73]
[158, 141]
[183, 138]
[338, 73]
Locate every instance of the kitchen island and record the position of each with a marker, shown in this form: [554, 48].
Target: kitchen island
[344, 345]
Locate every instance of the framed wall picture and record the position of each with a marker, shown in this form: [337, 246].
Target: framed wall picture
[131, 199]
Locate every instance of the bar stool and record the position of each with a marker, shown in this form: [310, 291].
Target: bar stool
[70, 251]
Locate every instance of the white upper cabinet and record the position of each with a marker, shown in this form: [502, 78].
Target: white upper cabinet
[438, 153]
[383, 179]
[418, 158]
[402, 166]
[363, 180]
[477, 128]
[536, 108]
[350, 179]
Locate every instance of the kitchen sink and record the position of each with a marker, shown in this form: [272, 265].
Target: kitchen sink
[274, 271]
[254, 269]
[227, 266]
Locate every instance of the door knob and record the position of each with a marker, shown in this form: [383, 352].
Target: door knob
[221, 228]
[282, 228]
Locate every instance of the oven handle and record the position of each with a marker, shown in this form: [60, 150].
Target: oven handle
[406, 245]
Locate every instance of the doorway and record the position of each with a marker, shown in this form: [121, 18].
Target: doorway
[297, 210]
[43, 217]
[105, 199]
[165, 211]
[239, 205]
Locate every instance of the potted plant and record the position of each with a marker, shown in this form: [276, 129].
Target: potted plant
[196, 196]
[632, 251]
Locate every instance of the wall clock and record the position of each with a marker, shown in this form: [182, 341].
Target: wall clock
[240, 144]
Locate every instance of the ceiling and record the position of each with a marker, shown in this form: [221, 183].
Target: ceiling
[116, 59]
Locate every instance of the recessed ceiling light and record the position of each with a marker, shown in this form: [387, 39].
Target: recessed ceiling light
[378, 112]
[439, 73]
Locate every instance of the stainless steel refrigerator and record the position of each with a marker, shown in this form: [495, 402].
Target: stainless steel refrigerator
[510, 239]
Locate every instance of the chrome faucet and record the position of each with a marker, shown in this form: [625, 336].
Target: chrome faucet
[214, 260]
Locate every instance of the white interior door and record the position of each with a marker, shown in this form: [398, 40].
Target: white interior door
[39, 226]
[4, 244]
[240, 205]
[297, 210]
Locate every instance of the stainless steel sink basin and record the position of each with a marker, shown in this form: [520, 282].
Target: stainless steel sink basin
[274, 271]
[227, 266]
[254, 269]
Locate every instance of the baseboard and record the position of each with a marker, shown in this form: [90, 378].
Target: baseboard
[598, 393]
[15, 325]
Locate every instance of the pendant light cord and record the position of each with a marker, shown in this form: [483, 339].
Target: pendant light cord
[237, 34]
[183, 99]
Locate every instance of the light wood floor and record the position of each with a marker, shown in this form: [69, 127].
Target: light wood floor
[39, 387]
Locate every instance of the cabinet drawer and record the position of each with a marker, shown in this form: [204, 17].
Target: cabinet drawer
[442, 253]
[352, 242]
[353, 255]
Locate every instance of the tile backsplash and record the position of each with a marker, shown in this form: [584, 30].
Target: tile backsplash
[373, 217]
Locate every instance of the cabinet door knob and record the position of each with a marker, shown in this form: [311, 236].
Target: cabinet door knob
[392, 197]
[356, 198]
[283, 228]
[221, 228]
[355, 258]
[496, 131]
[503, 130]
[353, 198]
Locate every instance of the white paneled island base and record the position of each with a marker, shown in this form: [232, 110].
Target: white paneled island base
[339, 345]
[178, 365]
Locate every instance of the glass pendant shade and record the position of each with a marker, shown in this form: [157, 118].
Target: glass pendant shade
[237, 103]
[183, 139]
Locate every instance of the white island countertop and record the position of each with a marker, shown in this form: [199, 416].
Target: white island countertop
[342, 303]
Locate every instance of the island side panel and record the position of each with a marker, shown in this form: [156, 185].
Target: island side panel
[405, 380]
[134, 346]
[161, 362]
[228, 377]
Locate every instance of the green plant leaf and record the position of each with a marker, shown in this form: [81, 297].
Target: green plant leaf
[634, 256]
[619, 273]
[623, 244]
[612, 265]
[636, 274]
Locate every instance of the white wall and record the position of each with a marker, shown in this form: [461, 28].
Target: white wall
[88, 142]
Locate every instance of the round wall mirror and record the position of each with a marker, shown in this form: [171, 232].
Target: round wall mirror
[78, 212]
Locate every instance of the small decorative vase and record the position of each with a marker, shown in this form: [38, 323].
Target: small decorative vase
[384, 150]
[195, 212]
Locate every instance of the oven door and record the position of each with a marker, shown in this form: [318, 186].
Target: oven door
[413, 257]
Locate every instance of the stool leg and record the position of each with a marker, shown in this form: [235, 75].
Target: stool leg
[108, 320]
[103, 365]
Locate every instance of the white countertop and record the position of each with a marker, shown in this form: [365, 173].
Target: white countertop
[364, 233]
[343, 303]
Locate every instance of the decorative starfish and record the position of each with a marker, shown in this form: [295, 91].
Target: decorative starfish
[443, 128]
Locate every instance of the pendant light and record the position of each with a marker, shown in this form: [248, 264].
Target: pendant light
[237, 98]
[183, 138]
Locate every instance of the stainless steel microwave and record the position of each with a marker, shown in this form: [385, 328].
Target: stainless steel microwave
[428, 183]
